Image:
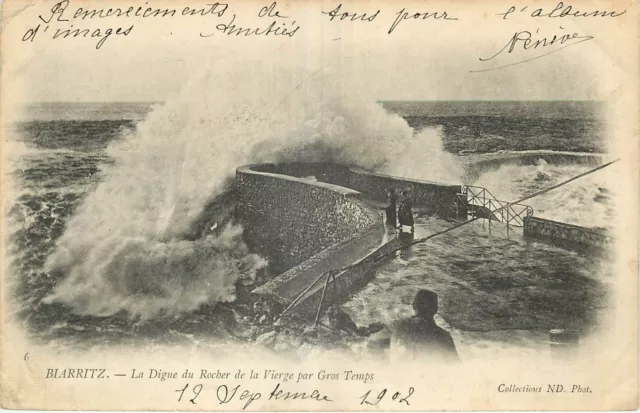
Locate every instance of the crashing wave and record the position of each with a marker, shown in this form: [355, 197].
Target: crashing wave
[129, 247]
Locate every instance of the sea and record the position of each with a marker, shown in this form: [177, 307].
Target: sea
[101, 194]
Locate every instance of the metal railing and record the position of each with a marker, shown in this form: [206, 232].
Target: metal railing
[482, 203]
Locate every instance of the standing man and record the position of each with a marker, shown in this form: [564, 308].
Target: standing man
[419, 336]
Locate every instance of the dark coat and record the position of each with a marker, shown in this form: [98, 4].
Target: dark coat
[391, 210]
[405, 215]
[423, 338]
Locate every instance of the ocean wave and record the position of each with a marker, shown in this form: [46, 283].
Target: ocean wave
[17, 150]
[588, 201]
[127, 249]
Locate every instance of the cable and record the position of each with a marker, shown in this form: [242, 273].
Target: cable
[454, 227]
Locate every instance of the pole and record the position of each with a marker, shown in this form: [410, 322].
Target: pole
[324, 291]
[454, 227]
[565, 182]
[301, 294]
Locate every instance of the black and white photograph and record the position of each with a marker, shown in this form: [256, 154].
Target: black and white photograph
[290, 206]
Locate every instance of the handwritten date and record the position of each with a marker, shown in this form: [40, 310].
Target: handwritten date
[226, 394]
[367, 398]
[245, 397]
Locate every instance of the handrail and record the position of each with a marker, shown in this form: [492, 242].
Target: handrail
[483, 189]
[503, 211]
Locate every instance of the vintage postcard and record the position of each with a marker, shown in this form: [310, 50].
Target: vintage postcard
[319, 205]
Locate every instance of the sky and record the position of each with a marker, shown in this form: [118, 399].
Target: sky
[421, 60]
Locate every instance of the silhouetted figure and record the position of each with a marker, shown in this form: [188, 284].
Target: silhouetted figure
[391, 209]
[420, 336]
[405, 215]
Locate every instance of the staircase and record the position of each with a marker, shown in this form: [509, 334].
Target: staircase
[480, 203]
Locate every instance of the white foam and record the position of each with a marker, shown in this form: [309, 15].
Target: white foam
[125, 249]
[587, 201]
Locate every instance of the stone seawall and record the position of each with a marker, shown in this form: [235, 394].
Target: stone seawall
[565, 235]
[289, 219]
[433, 198]
[347, 283]
[312, 218]
[324, 172]
[360, 251]
[309, 218]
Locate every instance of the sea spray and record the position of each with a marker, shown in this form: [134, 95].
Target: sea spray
[585, 202]
[149, 278]
[126, 247]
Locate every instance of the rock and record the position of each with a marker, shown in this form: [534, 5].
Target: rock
[267, 339]
[280, 341]
[286, 342]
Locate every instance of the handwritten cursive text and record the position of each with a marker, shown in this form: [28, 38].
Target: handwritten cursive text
[403, 15]
[526, 41]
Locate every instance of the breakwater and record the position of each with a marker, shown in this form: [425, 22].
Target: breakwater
[565, 235]
[309, 218]
[290, 219]
[432, 197]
